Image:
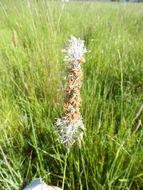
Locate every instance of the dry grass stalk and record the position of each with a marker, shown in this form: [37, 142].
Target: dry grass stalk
[14, 39]
[138, 125]
[71, 126]
[26, 89]
[136, 120]
[139, 112]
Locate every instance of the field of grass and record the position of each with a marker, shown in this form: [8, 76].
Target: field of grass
[32, 81]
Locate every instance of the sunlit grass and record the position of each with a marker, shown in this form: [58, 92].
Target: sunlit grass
[112, 93]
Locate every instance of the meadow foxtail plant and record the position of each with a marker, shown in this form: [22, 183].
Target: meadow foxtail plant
[70, 126]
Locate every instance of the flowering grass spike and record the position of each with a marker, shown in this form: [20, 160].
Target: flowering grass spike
[70, 126]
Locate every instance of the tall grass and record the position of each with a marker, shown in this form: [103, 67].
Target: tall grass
[32, 80]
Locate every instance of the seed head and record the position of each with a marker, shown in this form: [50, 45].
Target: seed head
[70, 127]
[74, 50]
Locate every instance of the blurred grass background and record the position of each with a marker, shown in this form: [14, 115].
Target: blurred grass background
[32, 81]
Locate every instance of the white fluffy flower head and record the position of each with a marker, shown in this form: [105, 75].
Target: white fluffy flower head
[69, 132]
[75, 49]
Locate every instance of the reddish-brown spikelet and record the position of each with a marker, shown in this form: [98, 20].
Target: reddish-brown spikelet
[26, 89]
[14, 39]
[73, 100]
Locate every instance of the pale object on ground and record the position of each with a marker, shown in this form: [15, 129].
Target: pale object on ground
[38, 184]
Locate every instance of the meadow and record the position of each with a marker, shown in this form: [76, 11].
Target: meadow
[32, 82]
